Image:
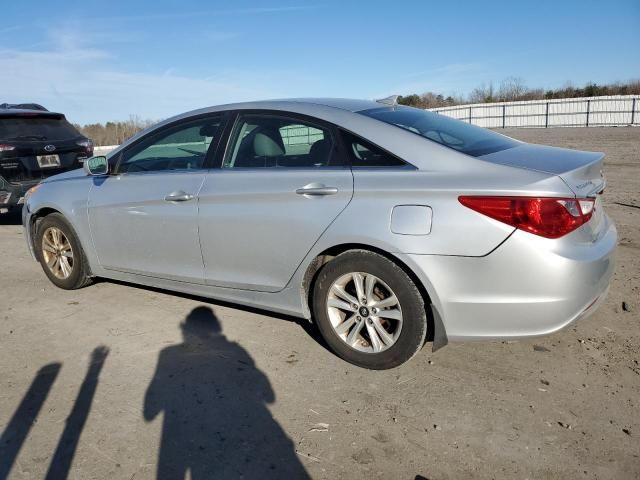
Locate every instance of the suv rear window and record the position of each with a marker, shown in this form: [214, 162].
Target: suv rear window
[460, 136]
[36, 128]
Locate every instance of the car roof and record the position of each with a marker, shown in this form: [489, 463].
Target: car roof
[302, 105]
[349, 104]
[328, 109]
[345, 114]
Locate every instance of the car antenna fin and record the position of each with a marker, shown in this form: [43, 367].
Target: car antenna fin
[391, 101]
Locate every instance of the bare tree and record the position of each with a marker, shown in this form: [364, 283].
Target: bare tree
[483, 94]
[512, 88]
[114, 133]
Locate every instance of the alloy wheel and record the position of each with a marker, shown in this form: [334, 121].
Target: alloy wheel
[364, 312]
[57, 253]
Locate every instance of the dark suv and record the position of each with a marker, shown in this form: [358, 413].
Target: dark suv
[35, 144]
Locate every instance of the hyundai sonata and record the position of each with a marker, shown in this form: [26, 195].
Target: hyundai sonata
[383, 224]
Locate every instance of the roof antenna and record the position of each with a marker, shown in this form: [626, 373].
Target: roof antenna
[392, 100]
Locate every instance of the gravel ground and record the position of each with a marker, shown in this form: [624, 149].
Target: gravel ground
[113, 380]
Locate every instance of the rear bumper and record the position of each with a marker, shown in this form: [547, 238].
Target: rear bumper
[528, 286]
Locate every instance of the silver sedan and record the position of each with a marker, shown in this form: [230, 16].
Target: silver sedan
[385, 225]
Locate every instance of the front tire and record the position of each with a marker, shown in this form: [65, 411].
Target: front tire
[60, 253]
[368, 310]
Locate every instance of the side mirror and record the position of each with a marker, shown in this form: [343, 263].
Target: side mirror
[96, 165]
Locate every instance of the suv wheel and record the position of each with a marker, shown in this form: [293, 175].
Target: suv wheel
[368, 310]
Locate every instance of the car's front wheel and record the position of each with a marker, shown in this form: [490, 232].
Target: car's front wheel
[60, 253]
[369, 310]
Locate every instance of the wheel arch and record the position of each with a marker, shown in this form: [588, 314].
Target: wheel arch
[35, 218]
[44, 211]
[435, 328]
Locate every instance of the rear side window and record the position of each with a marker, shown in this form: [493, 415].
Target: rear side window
[271, 141]
[36, 128]
[460, 136]
[365, 154]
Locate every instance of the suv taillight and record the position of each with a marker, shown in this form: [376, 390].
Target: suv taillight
[87, 144]
[545, 216]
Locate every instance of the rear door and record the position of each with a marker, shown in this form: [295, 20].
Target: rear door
[280, 185]
[143, 218]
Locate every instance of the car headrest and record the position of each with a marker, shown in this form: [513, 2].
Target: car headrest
[320, 151]
[265, 146]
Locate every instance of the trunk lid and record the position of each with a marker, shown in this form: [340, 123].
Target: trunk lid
[581, 171]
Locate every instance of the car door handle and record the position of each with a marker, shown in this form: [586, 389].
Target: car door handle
[179, 196]
[315, 189]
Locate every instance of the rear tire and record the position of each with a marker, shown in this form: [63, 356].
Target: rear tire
[380, 323]
[60, 253]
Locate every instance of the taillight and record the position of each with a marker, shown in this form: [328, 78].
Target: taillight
[87, 144]
[544, 216]
[6, 148]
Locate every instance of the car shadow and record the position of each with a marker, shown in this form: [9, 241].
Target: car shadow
[13, 217]
[308, 326]
[213, 400]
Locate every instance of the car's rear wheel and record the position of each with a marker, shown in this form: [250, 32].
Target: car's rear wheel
[369, 310]
[60, 253]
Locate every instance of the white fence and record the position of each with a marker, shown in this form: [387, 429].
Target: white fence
[104, 149]
[615, 110]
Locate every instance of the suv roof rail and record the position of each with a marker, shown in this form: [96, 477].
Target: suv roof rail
[23, 106]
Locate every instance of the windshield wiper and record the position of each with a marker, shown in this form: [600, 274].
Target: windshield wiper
[28, 137]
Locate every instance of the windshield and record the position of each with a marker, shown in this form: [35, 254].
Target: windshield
[34, 128]
[460, 136]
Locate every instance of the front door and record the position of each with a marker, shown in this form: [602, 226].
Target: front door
[280, 186]
[143, 218]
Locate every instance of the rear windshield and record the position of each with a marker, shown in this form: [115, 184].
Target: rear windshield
[460, 136]
[34, 128]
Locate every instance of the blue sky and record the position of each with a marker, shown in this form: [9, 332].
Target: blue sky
[107, 60]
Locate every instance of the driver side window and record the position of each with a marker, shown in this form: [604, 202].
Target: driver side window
[182, 147]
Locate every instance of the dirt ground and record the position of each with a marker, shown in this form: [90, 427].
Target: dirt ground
[113, 380]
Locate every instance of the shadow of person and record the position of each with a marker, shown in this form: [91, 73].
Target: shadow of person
[214, 401]
[65, 451]
[16, 431]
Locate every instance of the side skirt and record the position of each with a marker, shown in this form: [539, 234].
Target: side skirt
[285, 302]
